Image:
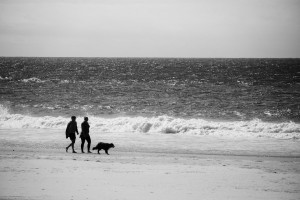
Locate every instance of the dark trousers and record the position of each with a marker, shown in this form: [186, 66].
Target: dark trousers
[88, 139]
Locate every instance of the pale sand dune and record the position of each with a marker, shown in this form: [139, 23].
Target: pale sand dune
[34, 165]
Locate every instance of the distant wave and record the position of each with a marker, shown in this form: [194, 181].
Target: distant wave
[37, 80]
[33, 80]
[160, 124]
[5, 78]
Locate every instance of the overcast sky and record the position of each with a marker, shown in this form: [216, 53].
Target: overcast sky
[150, 28]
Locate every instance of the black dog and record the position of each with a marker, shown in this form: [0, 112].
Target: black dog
[105, 146]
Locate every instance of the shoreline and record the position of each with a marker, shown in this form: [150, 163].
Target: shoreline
[54, 139]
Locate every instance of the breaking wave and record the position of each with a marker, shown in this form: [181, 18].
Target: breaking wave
[33, 80]
[159, 124]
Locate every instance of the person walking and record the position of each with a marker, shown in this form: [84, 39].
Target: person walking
[85, 130]
[70, 132]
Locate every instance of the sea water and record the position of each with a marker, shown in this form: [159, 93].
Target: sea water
[179, 96]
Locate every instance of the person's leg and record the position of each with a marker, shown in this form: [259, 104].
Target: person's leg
[72, 138]
[82, 143]
[88, 139]
[68, 147]
[73, 142]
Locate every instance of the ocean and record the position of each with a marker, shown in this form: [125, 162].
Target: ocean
[184, 96]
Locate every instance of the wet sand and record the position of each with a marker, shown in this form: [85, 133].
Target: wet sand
[34, 165]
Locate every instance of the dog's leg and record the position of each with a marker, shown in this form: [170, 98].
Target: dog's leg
[98, 151]
[106, 151]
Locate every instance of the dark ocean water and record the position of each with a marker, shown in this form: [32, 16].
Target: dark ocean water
[210, 89]
[239, 89]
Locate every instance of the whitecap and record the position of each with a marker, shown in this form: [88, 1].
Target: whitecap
[160, 125]
[33, 80]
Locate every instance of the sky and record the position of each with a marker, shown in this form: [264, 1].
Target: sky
[150, 28]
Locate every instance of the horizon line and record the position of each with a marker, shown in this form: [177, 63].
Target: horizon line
[167, 57]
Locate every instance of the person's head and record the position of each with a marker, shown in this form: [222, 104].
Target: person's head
[86, 119]
[73, 118]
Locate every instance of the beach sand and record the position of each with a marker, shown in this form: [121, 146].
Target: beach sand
[34, 165]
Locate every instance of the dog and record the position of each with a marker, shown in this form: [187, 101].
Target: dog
[104, 146]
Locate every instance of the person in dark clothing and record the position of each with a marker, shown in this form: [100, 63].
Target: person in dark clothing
[70, 132]
[85, 129]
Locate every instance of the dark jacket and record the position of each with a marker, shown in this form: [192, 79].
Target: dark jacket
[71, 128]
[85, 129]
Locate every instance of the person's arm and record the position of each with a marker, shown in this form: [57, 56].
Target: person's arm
[77, 129]
[82, 127]
[67, 130]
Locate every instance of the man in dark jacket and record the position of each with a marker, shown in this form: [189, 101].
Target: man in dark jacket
[85, 129]
[70, 132]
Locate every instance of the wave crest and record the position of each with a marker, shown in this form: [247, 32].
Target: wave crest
[33, 80]
[161, 124]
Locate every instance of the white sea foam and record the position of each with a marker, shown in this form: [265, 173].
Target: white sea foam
[5, 78]
[161, 124]
[64, 81]
[33, 80]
